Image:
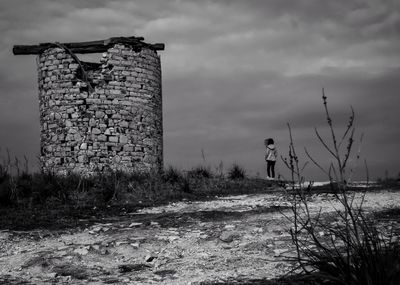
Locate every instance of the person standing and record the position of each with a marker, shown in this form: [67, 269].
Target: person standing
[270, 158]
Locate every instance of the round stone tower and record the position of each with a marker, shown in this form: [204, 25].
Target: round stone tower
[99, 116]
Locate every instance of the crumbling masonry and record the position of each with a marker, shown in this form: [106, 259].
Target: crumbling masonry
[99, 116]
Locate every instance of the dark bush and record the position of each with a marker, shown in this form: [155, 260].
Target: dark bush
[236, 172]
[200, 172]
[172, 175]
[5, 193]
[185, 185]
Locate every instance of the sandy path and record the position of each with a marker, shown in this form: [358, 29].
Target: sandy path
[239, 237]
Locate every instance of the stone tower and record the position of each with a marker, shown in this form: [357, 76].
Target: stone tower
[99, 116]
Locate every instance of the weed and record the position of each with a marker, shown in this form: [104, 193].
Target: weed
[185, 185]
[200, 172]
[236, 172]
[30, 199]
[355, 252]
[172, 175]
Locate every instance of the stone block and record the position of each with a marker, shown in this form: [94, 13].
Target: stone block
[92, 122]
[73, 66]
[82, 159]
[102, 138]
[109, 131]
[96, 131]
[100, 114]
[123, 139]
[115, 92]
[127, 148]
[113, 139]
[124, 124]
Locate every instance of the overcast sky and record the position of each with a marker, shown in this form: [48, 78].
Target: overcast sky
[234, 72]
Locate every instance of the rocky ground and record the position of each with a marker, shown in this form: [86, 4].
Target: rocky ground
[228, 239]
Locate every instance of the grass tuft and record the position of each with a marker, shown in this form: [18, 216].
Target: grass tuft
[236, 172]
[172, 175]
[200, 172]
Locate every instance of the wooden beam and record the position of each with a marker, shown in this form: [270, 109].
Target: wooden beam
[158, 46]
[89, 47]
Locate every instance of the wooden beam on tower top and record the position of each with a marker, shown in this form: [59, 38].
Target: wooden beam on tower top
[89, 47]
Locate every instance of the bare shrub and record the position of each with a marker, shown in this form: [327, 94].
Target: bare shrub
[352, 249]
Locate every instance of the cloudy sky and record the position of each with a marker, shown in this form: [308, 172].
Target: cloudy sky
[234, 73]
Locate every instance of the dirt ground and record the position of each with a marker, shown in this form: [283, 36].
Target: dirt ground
[228, 239]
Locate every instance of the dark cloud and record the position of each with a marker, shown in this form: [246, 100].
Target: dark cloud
[234, 71]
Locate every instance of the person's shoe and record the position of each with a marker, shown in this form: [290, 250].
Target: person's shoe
[269, 178]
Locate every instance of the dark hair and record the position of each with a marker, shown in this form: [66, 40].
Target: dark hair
[270, 141]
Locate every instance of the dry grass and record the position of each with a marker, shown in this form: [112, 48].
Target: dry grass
[39, 199]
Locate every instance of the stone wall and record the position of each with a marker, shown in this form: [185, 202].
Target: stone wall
[104, 116]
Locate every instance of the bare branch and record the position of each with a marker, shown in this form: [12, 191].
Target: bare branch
[287, 164]
[332, 167]
[329, 119]
[304, 166]
[323, 143]
[348, 149]
[357, 157]
[333, 135]
[315, 162]
[349, 125]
